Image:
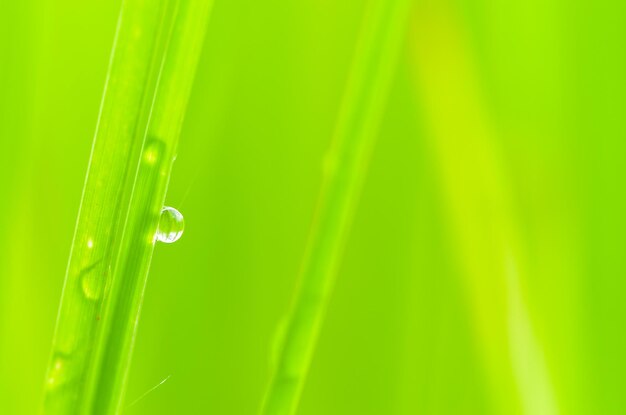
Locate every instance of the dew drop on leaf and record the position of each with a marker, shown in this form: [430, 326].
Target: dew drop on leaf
[151, 152]
[93, 281]
[93, 285]
[58, 372]
[171, 225]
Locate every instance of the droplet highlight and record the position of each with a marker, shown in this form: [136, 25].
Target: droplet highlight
[171, 225]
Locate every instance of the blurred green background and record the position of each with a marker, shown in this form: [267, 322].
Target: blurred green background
[485, 269]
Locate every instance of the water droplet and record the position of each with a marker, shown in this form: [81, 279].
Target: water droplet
[93, 286]
[152, 151]
[171, 225]
[92, 281]
[57, 372]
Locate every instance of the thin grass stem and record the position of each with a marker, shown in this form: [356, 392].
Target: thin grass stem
[355, 133]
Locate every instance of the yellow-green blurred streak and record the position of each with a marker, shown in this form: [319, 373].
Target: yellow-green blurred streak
[475, 184]
[524, 55]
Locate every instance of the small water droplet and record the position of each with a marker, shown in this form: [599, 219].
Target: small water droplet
[152, 151]
[93, 281]
[93, 286]
[171, 225]
[57, 372]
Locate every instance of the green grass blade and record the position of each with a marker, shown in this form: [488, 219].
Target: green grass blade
[357, 127]
[150, 75]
